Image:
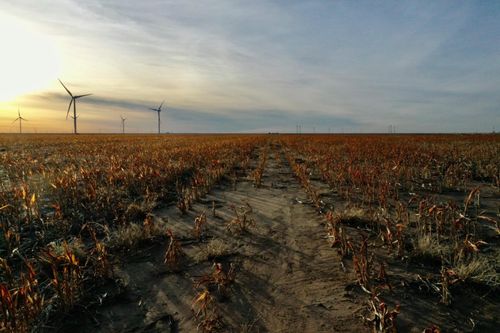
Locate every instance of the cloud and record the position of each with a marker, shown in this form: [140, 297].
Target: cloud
[108, 110]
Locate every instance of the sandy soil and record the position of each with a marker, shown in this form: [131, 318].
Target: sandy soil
[288, 277]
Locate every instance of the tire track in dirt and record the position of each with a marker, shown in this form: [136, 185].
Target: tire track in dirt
[300, 270]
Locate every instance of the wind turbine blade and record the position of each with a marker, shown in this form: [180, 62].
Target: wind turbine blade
[69, 92]
[82, 95]
[15, 120]
[23, 119]
[153, 109]
[159, 108]
[69, 107]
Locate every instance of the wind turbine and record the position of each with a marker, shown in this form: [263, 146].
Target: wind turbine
[20, 120]
[158, 110]
[123, 124]
[73, 101]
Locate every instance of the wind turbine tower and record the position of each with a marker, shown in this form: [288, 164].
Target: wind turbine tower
[73, 101]
[158, 110]
[123, 124]
[20, 120]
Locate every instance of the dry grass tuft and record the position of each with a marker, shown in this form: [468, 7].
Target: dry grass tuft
[429, 247]
[132, 234]
[478, 270]
[136, 212]
[214, 249]
[126, 236]
[354, 213]
[75, 246]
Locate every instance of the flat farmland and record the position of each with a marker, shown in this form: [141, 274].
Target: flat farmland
[249, 233]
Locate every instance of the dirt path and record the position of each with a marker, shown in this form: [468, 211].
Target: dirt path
[299, 285]
[288, 278]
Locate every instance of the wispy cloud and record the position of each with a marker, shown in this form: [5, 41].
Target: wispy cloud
[105, 111]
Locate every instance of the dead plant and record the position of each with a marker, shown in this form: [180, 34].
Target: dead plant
[66, 276]
[332, 226]
[242, 220]
[219, 278]
[381, 318]
[205, 311]
[99, 258]
[448, 278]
[362, 265]
[383, 277]
[199, 226]
[432, 329]
[174, 252]
[20, 304]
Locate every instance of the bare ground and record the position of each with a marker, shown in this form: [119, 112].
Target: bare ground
[288, 277]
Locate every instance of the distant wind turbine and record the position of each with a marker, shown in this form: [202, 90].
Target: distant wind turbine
[20, 120]
[123, 124]
[73, 101]
[158, 110]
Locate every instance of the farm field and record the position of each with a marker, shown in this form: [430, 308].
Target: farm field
[249, 233]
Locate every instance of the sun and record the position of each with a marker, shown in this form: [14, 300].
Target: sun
[28, 60]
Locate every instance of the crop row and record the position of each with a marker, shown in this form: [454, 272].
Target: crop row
[386, 196]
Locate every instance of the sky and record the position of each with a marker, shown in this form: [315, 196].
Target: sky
[251, 66]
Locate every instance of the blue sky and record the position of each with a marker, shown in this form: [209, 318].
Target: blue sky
[251, 66]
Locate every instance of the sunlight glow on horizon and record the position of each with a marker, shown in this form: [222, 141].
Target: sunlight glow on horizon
[30, 60]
